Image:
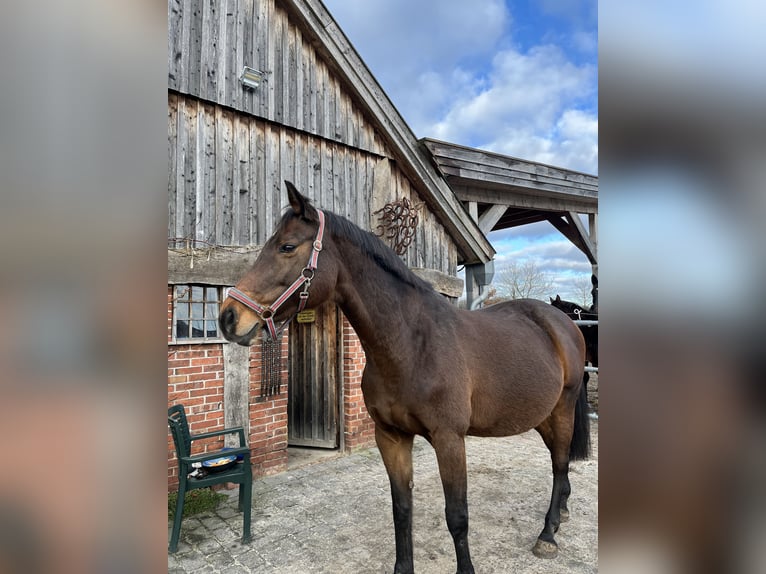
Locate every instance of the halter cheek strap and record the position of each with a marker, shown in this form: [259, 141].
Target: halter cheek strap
[307, 274]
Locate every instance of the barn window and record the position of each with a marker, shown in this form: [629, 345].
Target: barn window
[195, 313]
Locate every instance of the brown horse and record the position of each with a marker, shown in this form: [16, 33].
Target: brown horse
[432, 369]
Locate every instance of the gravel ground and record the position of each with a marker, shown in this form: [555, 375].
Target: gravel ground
[335, 516]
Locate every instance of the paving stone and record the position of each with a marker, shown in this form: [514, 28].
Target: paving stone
[335, 517]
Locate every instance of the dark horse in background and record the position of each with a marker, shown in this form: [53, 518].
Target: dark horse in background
[590, 332]
[432, 369]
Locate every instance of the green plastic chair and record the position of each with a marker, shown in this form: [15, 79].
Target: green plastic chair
[240, 473]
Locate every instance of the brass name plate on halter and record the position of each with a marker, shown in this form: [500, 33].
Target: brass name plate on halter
[307, 316]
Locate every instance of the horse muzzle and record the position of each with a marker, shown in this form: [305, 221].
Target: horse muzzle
[228, 321]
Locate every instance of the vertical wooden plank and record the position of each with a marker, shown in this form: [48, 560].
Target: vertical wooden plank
[272, 34]
[304, 82]
[311, 73]
[272, 187]
[260, 54]
[243, 187]
[294, 99]
[208, 125]
[194, 9]
[236, 386]
[172, 161]
[183, 69]
[254, 163]
[327, 176]
[362, 191]
[244, 53]
[316, 171]
[337, 178]
[332, 105]
[209, 50]
[228, 88]
[286, 168]
[349, 195]
[175, 51]
[280, 73]
[220, 60]
[223, 166]
[263, 192]
[199, 187]
[302, 165]
[351, 123]
[235, 178]
[322, 98]
[189, 173]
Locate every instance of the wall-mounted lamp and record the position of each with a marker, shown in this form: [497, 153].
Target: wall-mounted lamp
[252, 78]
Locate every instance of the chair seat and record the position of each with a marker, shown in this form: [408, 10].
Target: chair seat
[235, 473]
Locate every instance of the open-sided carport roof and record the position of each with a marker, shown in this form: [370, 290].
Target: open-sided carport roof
[502, 191]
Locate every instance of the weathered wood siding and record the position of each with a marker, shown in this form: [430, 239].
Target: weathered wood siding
[209, 43]
[230, 149]
[227, 180]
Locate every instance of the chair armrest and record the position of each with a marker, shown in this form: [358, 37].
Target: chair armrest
[214, 455]
[234, 430]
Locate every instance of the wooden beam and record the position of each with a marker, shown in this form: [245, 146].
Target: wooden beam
[222, 266]
[571, 232]
[473, 210]
[525, 200]
[213, 266]
[490, 217]
[583, 233]
[441, 282]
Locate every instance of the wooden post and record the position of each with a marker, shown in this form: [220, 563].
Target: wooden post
[236, 386]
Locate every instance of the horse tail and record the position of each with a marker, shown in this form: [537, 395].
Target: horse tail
[579, 449]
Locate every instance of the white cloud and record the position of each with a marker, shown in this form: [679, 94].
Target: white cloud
[453, 70]
[526, 110]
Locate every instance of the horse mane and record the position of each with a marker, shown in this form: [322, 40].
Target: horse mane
[375, 249]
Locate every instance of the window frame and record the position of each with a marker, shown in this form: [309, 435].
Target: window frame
[190, 303]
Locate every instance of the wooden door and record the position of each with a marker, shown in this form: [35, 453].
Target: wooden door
[312, 403]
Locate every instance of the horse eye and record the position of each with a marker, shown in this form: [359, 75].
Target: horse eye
[287, 248]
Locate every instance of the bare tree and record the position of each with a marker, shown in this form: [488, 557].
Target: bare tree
[581, 286]
[521, 280]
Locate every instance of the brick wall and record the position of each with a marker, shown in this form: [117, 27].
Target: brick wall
[268, 417]
[359, 430]
[195, 379]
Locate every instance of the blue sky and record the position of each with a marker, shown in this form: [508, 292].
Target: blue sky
[518, 78]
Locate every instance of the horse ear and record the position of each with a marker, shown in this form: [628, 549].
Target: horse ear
[558, 298]
[300, 204]
[551, 298]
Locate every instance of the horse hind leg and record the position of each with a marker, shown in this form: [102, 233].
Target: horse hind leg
[556, 432]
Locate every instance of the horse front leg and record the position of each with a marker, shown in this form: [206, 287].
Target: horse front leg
[396, 449]
[450, 454]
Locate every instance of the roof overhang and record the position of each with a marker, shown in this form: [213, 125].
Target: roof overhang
[412, 158]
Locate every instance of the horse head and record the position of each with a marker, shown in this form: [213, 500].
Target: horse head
[296, 269]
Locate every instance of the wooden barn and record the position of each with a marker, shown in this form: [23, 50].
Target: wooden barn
[262, 91]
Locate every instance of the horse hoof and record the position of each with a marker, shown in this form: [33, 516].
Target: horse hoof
[545, 549]
[564, 513]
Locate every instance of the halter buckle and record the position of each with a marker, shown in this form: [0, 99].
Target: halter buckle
[317, 245]
[267, 314]
[306, 271]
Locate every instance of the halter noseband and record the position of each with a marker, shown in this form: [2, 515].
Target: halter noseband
[307, 274]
